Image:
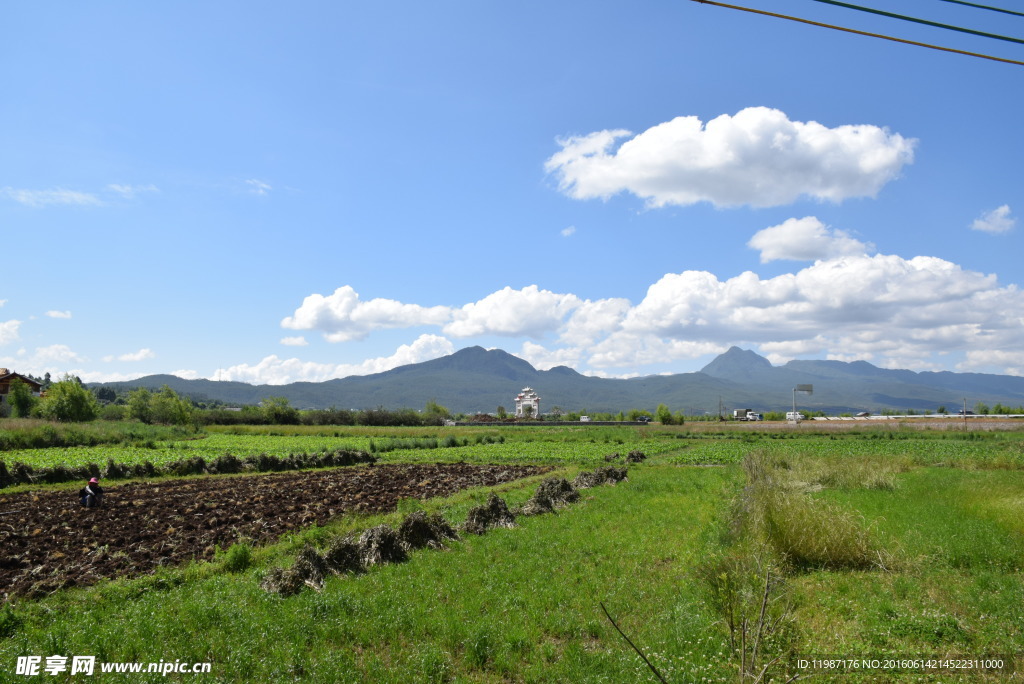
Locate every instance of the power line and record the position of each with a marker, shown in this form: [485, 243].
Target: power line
[926, 22]
[860, 33]
[994, 9]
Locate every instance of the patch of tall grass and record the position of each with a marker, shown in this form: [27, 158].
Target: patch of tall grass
[806, 532]
[30, 433]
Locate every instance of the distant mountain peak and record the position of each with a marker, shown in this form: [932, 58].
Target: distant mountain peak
[483, 361]
[736, 362]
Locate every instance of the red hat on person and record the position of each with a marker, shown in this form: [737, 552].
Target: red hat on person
[94, 481]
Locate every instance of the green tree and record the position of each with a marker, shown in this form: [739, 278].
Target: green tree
[139, 405]
[528, 412]
[279, 411]
[170, 409]
[435, 413]
[663, 414]
[21, 399]
[635, 414]
[106, 395]
[981, 408]
[502, 412]
[113, 412]
[942, 410]
[69, 401]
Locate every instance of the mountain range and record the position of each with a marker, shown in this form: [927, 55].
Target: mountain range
[475, 379]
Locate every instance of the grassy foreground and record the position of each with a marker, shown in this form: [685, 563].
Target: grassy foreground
[855, 548]
[520, 604]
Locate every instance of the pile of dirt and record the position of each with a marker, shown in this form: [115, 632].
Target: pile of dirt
[379, 545]
[553, 493]
[612, 457]
[494, 513]
[419, 530]
[605, 475]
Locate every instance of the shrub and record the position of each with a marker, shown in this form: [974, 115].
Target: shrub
[238, 558]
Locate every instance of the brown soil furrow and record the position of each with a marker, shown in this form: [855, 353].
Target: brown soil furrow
[49, 541]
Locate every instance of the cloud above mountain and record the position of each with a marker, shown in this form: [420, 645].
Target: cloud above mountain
[806, 239]
[757, 157]
[846, 305]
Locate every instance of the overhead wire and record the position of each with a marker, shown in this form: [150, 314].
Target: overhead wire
[926, 22]
[861, 33]
[985, 7]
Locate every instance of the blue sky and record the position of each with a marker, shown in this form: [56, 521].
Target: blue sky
[273, 192]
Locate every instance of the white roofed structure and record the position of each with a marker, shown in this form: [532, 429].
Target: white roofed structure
[527, 398]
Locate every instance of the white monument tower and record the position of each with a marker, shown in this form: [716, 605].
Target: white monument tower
[527, 398]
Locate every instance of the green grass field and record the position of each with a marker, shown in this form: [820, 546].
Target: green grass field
[870, 548]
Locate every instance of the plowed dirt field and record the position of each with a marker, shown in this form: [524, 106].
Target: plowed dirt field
[49, 541]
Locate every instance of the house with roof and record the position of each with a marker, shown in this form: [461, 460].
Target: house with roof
[7, 376]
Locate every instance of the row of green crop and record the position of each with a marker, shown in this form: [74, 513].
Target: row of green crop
[930, 452]
[21, 474]
[404, 449]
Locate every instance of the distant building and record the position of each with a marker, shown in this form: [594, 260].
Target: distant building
[7, 376]
[527, 398]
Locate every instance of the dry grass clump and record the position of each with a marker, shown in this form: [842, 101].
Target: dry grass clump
[553, 493]
[636, 456]
[379, 545]
[604, 475]
[342, 556]
[494, 513]
[419, 530]
[864, 472]
[309, 570]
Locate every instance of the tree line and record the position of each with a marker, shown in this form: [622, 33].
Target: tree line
[69, 400]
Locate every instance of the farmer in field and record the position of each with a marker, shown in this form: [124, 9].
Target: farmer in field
[91, 494]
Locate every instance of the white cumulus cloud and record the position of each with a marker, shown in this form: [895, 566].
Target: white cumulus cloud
[995, 221]
[846, 305]
[530, 311]
[59, 314]
[1010, 362]
[298, 341]
[342, 317]
[140, 355]
[273, 370]
[758, 157]
[9, 331]
[805, 239]
[54, 359]
[542, 358]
